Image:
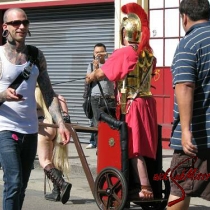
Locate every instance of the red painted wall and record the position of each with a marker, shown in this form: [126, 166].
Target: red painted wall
[163, 93]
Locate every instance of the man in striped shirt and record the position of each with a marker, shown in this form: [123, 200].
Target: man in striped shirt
[191, 127]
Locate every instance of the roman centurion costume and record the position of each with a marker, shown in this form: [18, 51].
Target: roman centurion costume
[133, 75]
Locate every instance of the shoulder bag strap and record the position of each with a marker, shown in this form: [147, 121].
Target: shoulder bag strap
[102, 93]
[105, 101]
[91, 84]
[24, 75]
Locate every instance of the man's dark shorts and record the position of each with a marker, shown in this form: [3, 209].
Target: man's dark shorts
[197, 184]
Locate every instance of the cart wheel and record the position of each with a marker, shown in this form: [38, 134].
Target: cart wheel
[110, 189]
[159, 205]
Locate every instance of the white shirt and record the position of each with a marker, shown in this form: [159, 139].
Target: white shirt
[18, 116]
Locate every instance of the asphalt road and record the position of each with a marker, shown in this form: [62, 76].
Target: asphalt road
[81, 195]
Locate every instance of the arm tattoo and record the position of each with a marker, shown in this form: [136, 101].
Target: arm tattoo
[49, 95]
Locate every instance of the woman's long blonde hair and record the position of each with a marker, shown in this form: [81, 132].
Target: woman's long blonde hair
[60, 151]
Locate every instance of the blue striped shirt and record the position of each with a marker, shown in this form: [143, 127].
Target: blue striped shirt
[191, 63]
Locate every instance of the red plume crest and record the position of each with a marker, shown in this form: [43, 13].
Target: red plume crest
[139, 11]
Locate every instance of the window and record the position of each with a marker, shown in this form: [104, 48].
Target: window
[165, 29]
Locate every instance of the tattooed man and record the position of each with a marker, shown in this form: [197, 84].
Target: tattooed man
[18, 115]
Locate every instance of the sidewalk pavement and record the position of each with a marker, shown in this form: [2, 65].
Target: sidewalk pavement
[81, 195]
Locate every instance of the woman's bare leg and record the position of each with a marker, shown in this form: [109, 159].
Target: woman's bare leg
[45, 145]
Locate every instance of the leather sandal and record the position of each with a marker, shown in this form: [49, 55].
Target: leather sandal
[147, 193]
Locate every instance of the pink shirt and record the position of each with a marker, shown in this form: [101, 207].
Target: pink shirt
[120, 63]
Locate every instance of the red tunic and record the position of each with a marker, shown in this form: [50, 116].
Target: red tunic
[142, 117]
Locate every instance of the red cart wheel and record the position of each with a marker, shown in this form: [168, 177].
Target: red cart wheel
[110, 189]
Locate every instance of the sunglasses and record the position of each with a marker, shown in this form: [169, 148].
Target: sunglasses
[18, 22]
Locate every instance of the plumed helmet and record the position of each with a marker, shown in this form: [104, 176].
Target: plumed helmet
[136, 26]
[132, 26]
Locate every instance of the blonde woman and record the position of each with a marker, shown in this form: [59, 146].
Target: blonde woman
[53, 156]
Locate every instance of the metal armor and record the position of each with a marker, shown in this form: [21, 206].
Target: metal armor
[137, 83]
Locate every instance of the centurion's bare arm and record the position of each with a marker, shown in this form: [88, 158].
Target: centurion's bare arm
[95, 75]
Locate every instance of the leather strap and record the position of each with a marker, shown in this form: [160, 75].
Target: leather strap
[25, 74]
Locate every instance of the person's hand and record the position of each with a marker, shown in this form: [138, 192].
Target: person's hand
[90, 77]
[187, 145]
[87, 78]
[96, 63]
[65, 133]
[10, 95]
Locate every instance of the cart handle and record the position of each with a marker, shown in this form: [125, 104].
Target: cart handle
[112, 122]
[72, 128]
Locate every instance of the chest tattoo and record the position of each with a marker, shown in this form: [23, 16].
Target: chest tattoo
[17, 58]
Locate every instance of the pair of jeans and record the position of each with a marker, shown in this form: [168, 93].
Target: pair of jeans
[97, 103]
[92, 136]
[92, 139]
[17, 154]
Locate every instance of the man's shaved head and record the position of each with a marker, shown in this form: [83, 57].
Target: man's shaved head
[11, 10]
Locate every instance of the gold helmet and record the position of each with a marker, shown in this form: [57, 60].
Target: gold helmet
[136, 26]
[131, 25]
